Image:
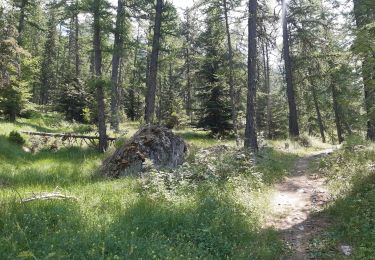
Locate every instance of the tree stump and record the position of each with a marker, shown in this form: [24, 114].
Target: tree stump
[159, 144]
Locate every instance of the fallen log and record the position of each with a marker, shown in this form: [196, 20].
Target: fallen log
[48, 196]
[66, 135]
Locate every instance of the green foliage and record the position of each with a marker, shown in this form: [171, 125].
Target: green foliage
[352, 141]
[13, 91]
[16, 138]
[72, 101]
[214, 114]
[303, 140]
[11, 100]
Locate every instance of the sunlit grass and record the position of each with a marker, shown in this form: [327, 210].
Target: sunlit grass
[119, 219]
[351, 181]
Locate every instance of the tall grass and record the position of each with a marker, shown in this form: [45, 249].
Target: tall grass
[351, 179]
[121, 219]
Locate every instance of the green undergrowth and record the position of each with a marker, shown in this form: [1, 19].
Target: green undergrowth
[351, 179]
[211, 207]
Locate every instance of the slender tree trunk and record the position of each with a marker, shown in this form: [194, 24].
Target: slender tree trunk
[336, 109]
[293, 117]
[362, 18]
[76, 44]
[231, 80]
[151, 86]
[188, 69]
[117, 52]
[250, 131]
[21, 21]
[103, 143]
[160, 96]
[269, 98]
[318, 114]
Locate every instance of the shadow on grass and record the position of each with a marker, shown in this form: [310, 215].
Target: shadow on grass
[352, 223]
[62, 167]
[38, 128]
[275, 164]
[211, 226]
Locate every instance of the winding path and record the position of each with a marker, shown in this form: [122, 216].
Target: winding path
[292, 204]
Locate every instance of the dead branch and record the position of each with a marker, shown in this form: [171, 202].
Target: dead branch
[48, 196]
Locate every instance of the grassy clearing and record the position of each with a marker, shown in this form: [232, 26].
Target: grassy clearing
[351, 175]
[131, 217]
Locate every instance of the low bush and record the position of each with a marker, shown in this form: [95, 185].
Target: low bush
[16, 137]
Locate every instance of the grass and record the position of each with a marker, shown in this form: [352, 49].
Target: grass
[352, 183]
[122, 219]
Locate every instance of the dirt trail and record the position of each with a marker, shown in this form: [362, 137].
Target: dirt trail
[293, 202]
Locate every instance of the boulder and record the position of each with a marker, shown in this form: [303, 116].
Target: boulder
[159, 144]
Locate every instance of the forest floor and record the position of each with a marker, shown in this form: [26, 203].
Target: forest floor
[293, 203]
[215, 206]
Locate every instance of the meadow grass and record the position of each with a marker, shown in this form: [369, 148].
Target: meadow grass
[121, 219]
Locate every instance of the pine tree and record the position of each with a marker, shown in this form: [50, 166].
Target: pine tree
[215, 113]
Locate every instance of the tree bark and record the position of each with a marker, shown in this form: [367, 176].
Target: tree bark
[188, 69]
[151, 86]
[117, 53]
[363, 14]
[336, 109]
[318, 114]
[21, 21]
[231, 80]
[76, 43]
[103, 142]
[250, 131]
[268, 91]
[293, 117]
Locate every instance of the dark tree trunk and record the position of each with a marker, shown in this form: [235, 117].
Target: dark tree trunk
[103, 143]
[21, 21]
[250, 131]
[76, 43]
[293, 117]
[268, 91]
[318, 114]
[151, 86]
[117, 53]
[336, 109]
[363, 13]
[231, 80]
[188, 76]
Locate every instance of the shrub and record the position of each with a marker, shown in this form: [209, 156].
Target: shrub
[353, 141]
[16, 137]
[304, 141]
[29, 112]
[172, 121]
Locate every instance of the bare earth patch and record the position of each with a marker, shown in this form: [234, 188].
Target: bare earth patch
[294, 201]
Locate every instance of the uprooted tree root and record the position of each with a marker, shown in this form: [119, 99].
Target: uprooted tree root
[158, 144]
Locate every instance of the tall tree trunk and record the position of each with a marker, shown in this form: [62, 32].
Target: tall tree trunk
[318, 114]
[336, 109]
[103, 142]
[76, 43]
[132, 98]
[117, 53]
[231, 80]
[363, 13]
[250, 131]
[151, 86]
[21, 21]
[188, 69]
[268, 91]
[293, 117]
